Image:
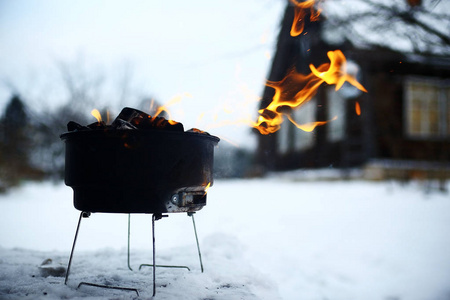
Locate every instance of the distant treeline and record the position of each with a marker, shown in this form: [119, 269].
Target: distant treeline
[30, 148]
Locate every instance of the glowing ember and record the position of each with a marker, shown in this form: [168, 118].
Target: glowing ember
[357, 108]
[196, 130]
[296, 89]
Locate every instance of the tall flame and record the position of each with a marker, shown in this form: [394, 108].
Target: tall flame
[296, 89]
[300, 11]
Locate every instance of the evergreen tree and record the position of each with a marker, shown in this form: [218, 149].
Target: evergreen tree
[15, 143]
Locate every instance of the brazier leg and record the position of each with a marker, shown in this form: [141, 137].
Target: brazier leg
[191, 214]
[154, 251]
[82, 215]
[155, 217]
[128, 253]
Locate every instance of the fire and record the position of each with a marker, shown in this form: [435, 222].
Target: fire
[296, 89]
[171, 102]
[337, 71]
[96, 115]
[357, 108]
[308, 127]
[300, 12]
[291, 92]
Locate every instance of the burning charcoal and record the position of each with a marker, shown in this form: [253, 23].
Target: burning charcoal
[127, 114]
[195, 130]
[74, 126]
[97, 125]
[159, 122]
[141, 120]
[121, 124]
[175, 126]
[169, 125]
[130, 118]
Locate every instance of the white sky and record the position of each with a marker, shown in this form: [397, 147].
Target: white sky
[214, 50]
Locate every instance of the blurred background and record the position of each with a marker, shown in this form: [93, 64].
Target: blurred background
[208, 62]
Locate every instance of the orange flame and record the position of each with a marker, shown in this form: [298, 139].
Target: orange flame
[96, 115]
[300, 12]
[308, 127]
[165, 107]
[337, 71]
[296, 89]
[357, 108]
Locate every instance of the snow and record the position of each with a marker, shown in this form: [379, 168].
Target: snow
[274, 238]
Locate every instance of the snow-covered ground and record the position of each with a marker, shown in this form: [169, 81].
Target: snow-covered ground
[260, 239]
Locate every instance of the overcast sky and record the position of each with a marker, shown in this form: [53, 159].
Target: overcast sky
[215, 51]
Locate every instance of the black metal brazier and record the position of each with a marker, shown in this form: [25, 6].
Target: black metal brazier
[138, 171]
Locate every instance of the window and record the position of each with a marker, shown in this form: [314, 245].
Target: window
[290, 138]
[336, 108]
[305, 114]
[427, 108]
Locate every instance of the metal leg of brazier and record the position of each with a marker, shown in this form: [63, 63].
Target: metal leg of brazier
[154, 252]
[84, 214]
[146, 265]
[190, 214]
[162, 266]
[155, 217]
[196, 239]
[128, 252]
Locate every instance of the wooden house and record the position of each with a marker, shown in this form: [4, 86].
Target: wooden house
[405, 116]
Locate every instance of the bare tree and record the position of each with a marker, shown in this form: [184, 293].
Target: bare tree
[84, 86]
[412, 26]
